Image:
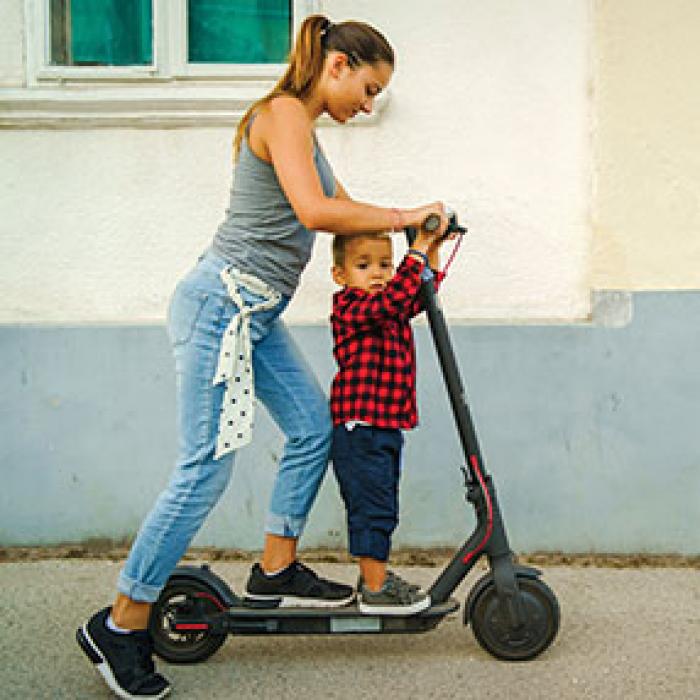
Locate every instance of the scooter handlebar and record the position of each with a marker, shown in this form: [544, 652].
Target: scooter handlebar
[432, 222]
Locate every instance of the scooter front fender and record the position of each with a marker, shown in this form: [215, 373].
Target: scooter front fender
[520, 571]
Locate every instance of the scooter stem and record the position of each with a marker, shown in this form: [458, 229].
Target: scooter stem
[494, 544]
[450, 372]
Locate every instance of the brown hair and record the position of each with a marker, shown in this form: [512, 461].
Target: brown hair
[317, 36]
[341, 242]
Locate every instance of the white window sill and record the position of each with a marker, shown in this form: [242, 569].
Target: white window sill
[140, 106]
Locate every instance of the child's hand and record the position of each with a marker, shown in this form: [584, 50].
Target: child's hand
[437, 241]
[426, 241]
[429, 242]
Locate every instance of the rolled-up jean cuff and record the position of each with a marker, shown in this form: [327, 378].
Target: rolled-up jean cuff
[284, 525]
[370, 543]
[139, 592]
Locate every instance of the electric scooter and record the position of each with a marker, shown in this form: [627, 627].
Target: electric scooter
[514, 615]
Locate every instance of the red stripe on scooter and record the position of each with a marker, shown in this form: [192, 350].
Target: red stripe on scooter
[214, 600]
[489, 509]
[192, 626]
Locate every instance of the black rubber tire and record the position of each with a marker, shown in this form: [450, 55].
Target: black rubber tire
[183, 647]
[493, 632]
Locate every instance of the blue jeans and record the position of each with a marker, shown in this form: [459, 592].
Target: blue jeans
[199, 313]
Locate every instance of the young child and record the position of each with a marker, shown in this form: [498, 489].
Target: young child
[373, 398]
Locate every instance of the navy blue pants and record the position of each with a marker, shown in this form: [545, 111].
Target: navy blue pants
[367, 465]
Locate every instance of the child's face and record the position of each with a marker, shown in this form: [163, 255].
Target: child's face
[369, 265]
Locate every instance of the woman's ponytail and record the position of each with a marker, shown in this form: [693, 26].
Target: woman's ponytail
[306, 59]
[304, 69]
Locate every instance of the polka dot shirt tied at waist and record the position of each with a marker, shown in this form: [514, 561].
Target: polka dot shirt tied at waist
[235, 366]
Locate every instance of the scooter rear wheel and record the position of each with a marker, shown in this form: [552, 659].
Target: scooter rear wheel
[184, 597]
[492, 628]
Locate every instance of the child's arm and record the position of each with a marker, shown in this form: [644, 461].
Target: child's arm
[360, 309]
[417, 304]
[396, 300]
[433, 253]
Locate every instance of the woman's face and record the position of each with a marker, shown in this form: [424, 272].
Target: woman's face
[348, 90]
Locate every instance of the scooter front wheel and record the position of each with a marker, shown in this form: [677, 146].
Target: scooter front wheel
[492, 628]
[182, 598]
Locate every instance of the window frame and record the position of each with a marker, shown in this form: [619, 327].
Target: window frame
[171, 93]
[169, 51]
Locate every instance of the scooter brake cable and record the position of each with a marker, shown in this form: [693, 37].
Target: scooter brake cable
[453, 253]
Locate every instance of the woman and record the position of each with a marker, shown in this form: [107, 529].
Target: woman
[229, 343]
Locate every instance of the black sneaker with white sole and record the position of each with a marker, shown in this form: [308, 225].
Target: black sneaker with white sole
[396, 597]
[295, 586]
[124, 660]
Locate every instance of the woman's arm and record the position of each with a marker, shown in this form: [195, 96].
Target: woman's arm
[286, 132]
[340, 192]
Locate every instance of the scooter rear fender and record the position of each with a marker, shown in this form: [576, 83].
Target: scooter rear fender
[203, 574]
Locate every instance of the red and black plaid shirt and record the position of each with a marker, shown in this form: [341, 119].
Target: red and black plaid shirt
[373, 346]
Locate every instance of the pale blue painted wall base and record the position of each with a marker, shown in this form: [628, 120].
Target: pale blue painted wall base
[591, 433]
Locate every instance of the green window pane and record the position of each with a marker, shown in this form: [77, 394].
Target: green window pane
[102, 32]
[238, 31]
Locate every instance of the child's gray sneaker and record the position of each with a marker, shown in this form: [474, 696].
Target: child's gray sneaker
[389, 574]
[396, 597]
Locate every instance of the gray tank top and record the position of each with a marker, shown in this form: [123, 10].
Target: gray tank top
[260, 233]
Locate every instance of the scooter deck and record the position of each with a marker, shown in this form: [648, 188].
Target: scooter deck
[346, 620]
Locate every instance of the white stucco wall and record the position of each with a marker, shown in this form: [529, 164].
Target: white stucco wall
[11, 43]
[488, 111]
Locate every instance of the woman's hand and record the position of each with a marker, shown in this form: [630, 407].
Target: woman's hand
[416, 217]
[426, 240]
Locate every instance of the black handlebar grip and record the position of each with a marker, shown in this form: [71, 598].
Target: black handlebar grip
[431, 223]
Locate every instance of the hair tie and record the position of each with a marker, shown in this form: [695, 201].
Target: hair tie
[326, 28]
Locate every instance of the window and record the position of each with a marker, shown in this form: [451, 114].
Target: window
[150, 63]
[101, 32]
[238, 31]
[122, 32]
[122, 40]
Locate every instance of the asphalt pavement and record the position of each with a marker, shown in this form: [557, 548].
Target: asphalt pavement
[625, 633]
